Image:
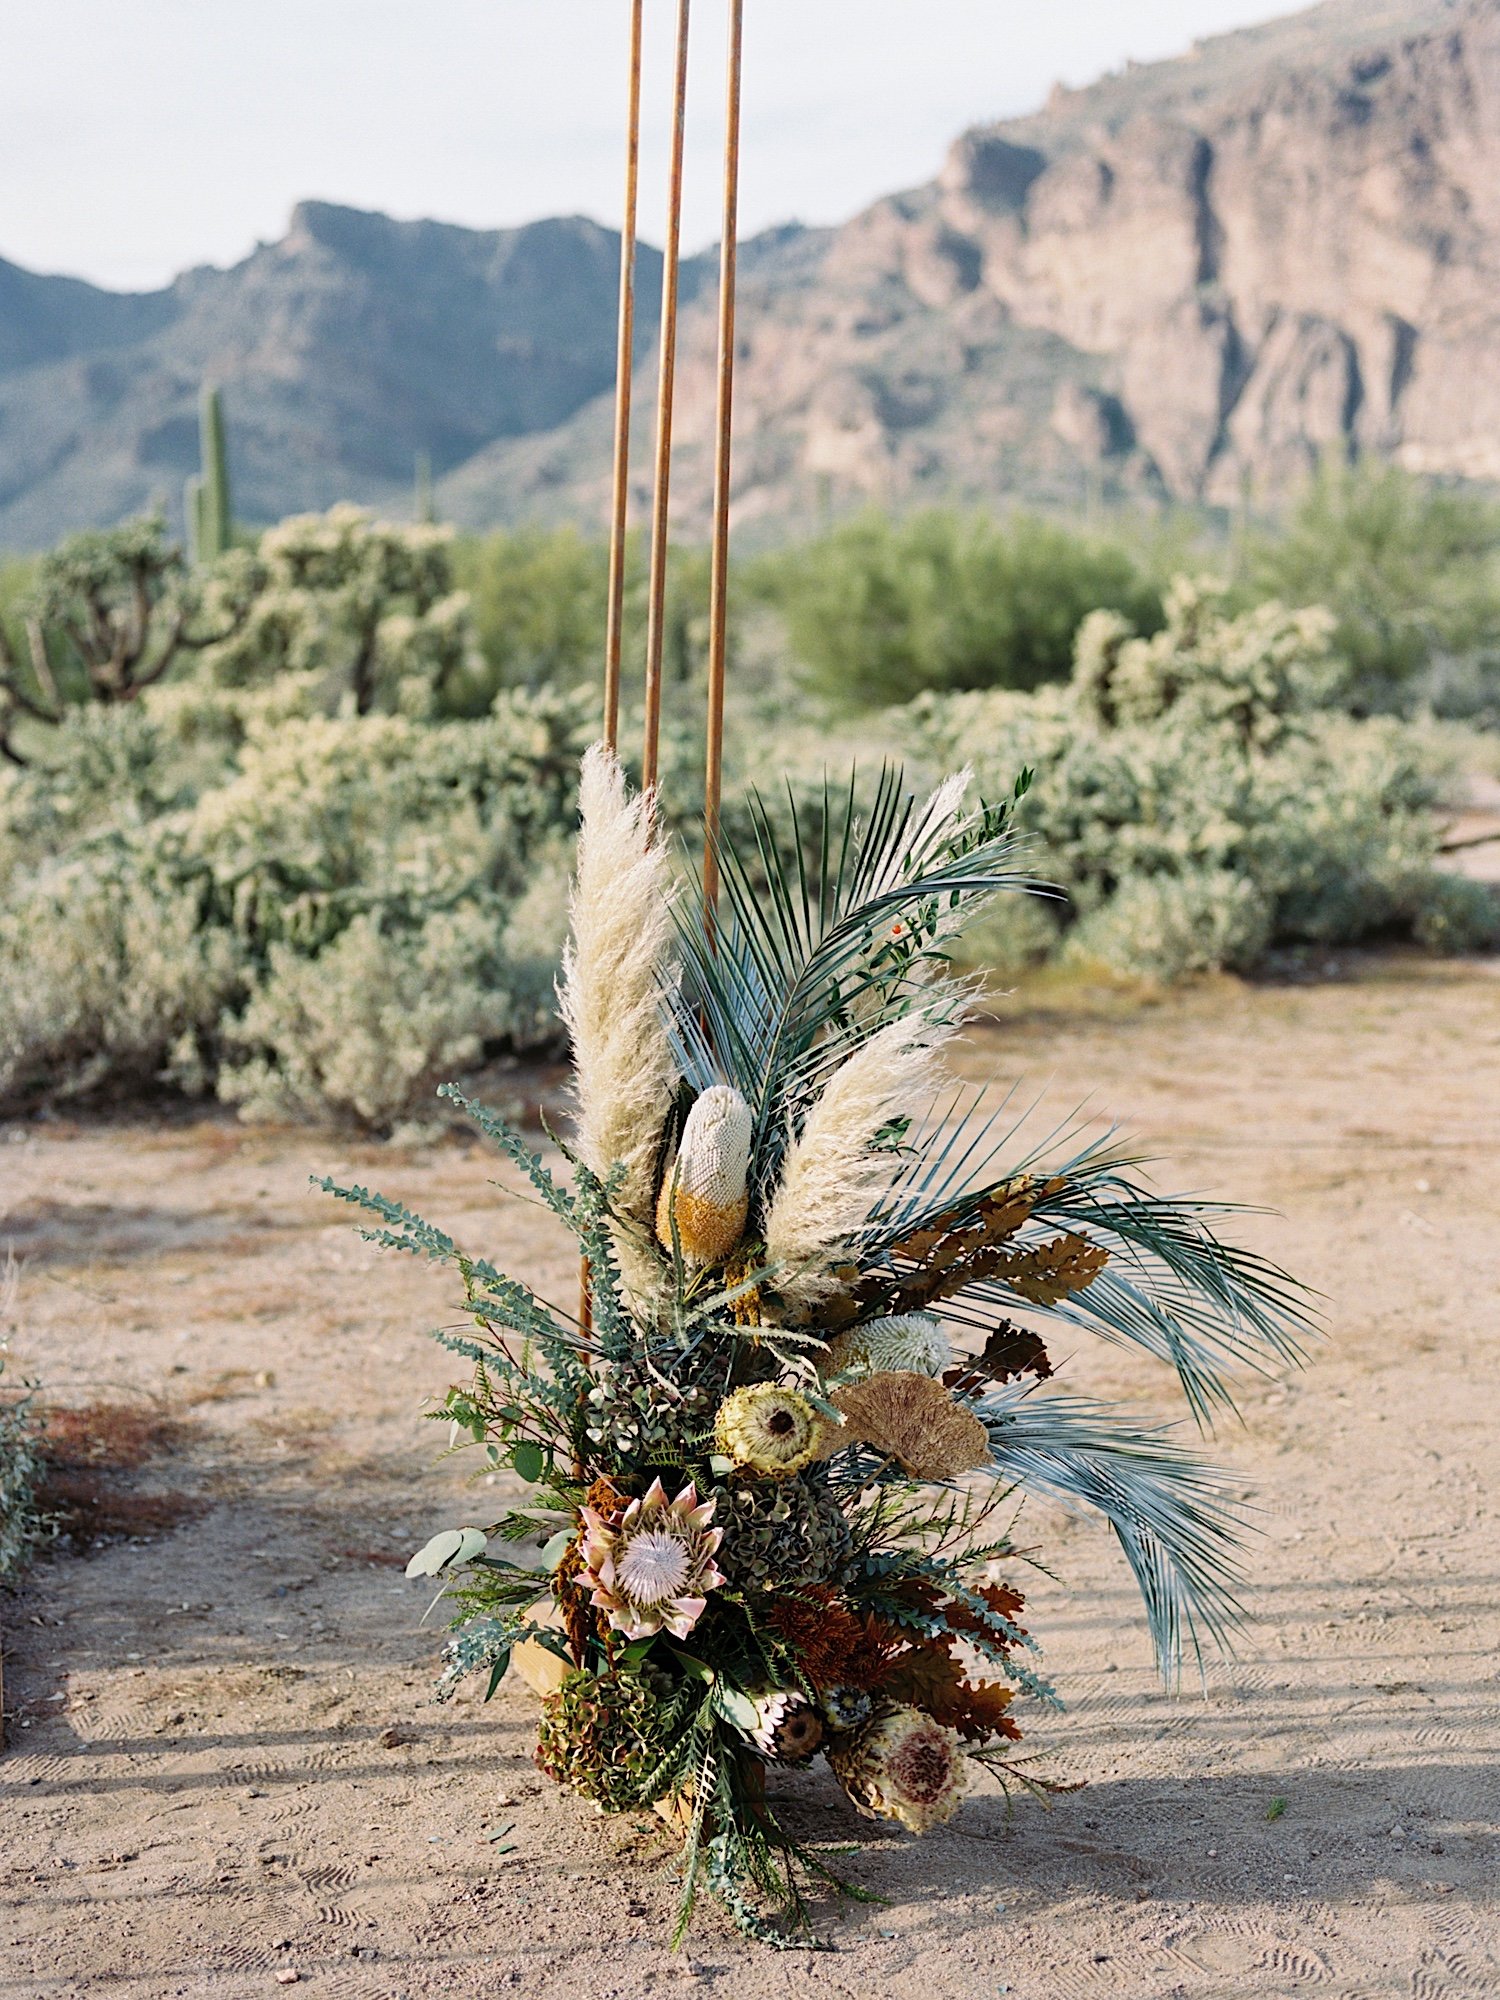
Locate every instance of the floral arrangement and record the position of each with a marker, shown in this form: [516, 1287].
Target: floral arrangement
[774, 1462]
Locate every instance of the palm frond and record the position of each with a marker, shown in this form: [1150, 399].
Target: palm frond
[1173, 1513]
[821, 943]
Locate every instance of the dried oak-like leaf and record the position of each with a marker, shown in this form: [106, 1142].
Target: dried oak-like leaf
[1048, 1273]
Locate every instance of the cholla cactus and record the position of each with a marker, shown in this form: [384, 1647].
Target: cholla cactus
[908, 1343]
[652, 1573]
[904, 1767]
[705, 1198]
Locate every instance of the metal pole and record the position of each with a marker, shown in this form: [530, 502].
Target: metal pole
[624, 369]
[657, 592]
[719, 590]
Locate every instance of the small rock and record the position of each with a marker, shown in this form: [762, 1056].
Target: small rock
[288, 1976]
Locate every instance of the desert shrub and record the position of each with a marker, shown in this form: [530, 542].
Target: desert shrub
[1199, 804]
[24, 1525]
[367, 610]
[1411, 573]
[233, 890]
[882, 610]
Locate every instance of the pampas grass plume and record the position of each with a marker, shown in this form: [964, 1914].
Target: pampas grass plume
[833, 1176]
[614, 968]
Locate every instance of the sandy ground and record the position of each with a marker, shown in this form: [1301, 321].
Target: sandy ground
[225, 1772]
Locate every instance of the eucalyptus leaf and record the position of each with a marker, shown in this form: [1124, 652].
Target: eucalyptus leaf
[736, 1708]
[528, 1461]
[453, 1545]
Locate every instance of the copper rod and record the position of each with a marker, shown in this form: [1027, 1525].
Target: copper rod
[719, 587]
[656, 599]
[624, 370]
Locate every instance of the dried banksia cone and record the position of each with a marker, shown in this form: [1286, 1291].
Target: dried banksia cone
[914, 1420]
[705, 1198]
[909, 1343]
[768, 1430]
[904, 1767]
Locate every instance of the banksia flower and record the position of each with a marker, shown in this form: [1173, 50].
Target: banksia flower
[705, 1198]
[651, 1573]
[768, 1430]
[908, 1343]
[914, 1420]
[904, 1767]
[787, 1727]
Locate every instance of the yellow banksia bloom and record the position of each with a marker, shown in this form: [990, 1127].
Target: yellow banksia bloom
[768, 1430]
[705, 1198]
[903, 1767]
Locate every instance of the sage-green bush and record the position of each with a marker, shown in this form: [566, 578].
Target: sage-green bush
[308, 913]
[1199, 803]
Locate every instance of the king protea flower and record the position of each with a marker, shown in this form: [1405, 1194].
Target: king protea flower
[652, 1572]
[705, 1198]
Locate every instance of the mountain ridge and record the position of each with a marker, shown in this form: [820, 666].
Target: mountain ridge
[1182, 282]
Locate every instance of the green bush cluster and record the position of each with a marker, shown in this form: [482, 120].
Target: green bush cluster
[1198, 802]
[882, 610]
[1411, 574]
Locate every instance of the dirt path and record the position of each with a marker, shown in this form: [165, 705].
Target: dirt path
[225, 1768]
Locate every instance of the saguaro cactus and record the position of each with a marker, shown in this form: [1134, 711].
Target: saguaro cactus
[424, 508]
[206, 503]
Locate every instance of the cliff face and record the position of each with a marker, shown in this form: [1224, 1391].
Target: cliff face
[1163, 285]
[1187, 281]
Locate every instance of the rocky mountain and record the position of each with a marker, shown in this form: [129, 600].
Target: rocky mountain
[344, 349]
[1186, 281]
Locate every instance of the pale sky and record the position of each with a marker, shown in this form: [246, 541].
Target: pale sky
[138, 137]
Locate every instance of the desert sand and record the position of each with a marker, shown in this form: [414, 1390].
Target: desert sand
[226, 1774]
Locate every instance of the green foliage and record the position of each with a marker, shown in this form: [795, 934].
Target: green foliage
[882, 610]
[1198, 802]
[366, 609]
[540, 607]
[1410, 571]
[106, 615]
[24, 1529]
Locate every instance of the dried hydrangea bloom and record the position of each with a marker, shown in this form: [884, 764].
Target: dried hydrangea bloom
[652, 1572]
[914, 1420]
[768, 1430]
[904, 1767]
[788, 1729]
[706, 1193]
[908, 1343]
